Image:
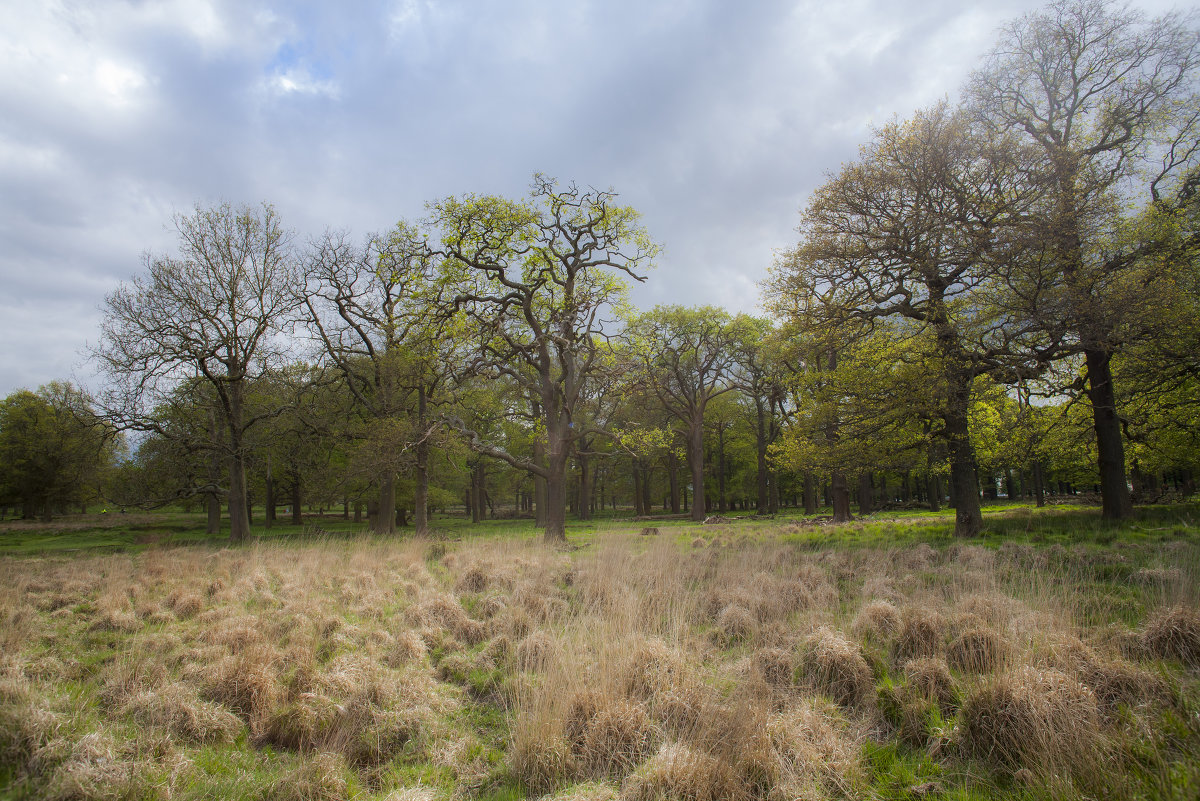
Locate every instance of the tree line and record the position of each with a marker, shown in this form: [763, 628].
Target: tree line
[1000, 296]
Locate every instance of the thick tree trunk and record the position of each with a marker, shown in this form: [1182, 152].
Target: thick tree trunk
[556, 504]
[695, 454]
[1116, 503]
[1039, 487]
[968, 518]
[840, 496]
[212, 505]
[239, 518]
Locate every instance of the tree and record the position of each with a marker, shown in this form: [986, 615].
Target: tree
[686, 357]
[760, 377]
[213, 313]
[538, 282]
[1103, 94]
[375, 311]
[53, 449]
[921, 229]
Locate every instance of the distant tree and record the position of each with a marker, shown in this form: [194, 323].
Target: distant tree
[538, 283]
[215, 313]
[374, 309]
[686, 357]
[53, 449]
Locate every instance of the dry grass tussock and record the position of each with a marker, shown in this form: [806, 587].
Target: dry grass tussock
[638, 668]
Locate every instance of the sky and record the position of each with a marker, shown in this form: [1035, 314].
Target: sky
[714, 119]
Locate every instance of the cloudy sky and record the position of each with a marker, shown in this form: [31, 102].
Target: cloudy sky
[715, 119]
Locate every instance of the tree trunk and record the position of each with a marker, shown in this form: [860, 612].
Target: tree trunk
[421, 489]
[810, 493]
[556, 504]
[968, 518]
[1039, 489]
[760, 437]
[934, 490]
[864, 493]
[239, 518]
[840, 495]
[213, 505]
[213, 500]
[385, 518]
[1116, 503]
[695, 454]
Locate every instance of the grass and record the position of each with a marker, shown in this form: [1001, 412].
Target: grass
[1052, 657]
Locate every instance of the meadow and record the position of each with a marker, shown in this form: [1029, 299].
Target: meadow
[1053, 657]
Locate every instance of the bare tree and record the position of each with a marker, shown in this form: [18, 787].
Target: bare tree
[215, 312]
[538, 281]
[1108, 97]
[374, 310]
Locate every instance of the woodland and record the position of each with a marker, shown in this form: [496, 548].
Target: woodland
[920, 528]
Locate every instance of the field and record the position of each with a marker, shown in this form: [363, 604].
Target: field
[1051, 658]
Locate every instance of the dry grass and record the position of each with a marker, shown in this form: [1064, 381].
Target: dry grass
[1034, 719]
[639, 668]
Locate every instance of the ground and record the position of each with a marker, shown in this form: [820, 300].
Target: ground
[1053, 657]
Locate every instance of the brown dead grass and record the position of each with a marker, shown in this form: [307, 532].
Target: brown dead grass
[634, 667]
[1032, 718]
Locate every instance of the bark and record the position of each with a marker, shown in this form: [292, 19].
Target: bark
[760, 436]
[1116, 503]
[695, 454]
[840, 496]
[1039, 487]
[968, 517]
[239, 518]
[385, 518]
[213, 507]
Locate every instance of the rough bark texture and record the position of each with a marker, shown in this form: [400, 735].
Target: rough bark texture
[1114, 491]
